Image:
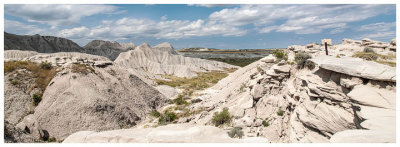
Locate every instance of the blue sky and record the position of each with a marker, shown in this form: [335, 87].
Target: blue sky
[213, 26]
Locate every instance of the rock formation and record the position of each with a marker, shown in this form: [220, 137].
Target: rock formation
[101, 96]
[302, 105]
[162, 59]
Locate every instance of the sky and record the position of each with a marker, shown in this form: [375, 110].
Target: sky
[212, 26]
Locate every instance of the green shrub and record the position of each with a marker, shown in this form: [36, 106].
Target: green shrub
[14, 81]
[280, 112]
[179, 100]
[280, 54]
[265, 123]
[220, 118]
[167, 117]
[236, 132]
[51, 139]
[302, 60]
[36, 98]
[155, 113]
[45, 65]
[369, 50]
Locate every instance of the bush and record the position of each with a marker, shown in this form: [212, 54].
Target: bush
[155, 113]
[369, 50]
[166, 117]
[265, 123]
[302, 60]
[236, 132]
[280, 112]
[220, 118]
[36, 98]
[45, 65]
[179, 100]
[280, 54]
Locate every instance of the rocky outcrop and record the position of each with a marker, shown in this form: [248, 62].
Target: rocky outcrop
[162, 59]
[97, 96]
[301, 105]
[107, 48]
[175, 133]
[357, 67]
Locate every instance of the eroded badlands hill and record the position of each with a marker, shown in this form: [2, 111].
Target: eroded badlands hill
[162, 59]
[87, 92]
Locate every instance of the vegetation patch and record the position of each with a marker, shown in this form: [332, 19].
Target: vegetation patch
[202, 81]
[166, 118]
[390, 63]
[155, 114]
[265, 123]
[302, 60]
[82, 69]
[372, 56]
[42, 73]
[220, 118]
[179, 100]
[236, 132]
[280, 55]
[37, 97]
[280, 112]
[242, 62]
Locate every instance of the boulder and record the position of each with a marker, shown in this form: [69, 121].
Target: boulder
[269, 59]
[257, 91]
[282, 69]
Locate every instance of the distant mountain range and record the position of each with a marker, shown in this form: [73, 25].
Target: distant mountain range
[51, 44]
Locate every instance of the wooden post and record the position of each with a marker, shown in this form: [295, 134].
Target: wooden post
[326, 48]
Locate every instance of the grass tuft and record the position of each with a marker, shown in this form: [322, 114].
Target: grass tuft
[82, 69]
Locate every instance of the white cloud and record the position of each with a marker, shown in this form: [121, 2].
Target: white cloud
[18, 27]
[165, 17]
[381, 26]
[74, 33]
[381, 35]
[381, 30]
[301, 19]
[210, 5]
[56, 15]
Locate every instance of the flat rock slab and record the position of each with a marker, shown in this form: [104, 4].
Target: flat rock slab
[363, 136]
[357, 67]
[174, 133]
